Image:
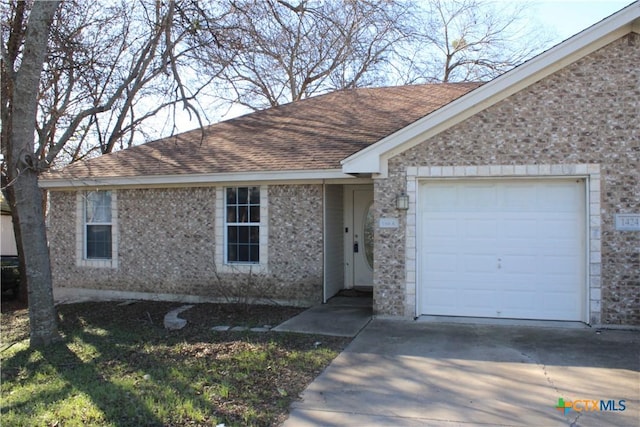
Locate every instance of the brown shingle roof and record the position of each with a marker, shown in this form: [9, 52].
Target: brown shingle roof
[313, 134]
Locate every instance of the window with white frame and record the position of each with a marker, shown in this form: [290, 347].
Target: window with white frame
[97, 225]
[242, 225]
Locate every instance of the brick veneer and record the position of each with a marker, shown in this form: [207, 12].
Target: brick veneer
[166, 241]
[582, 121]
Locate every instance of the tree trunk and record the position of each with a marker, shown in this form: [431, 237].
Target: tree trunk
[22, 171]
[42, 313]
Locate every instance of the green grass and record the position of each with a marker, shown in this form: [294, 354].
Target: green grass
[119, 367]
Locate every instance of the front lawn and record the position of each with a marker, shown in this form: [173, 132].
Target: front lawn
[118, 366]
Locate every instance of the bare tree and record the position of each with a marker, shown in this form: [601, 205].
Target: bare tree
[469, 40]
[19, 102]
[72, 79]
[289, 50]
[286, 50]
[109, 70]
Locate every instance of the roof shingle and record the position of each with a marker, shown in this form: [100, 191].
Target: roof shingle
[312, 134]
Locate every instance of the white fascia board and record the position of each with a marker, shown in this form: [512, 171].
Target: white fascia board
[373, 158]
[306, 176]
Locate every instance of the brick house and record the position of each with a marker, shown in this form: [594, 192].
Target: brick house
[518, 198]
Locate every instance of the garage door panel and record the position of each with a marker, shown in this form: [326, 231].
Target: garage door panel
[558, 265]
[476, 263]
[477, 198]
[514, 302]
[558, 229]
[557, 302]
[520, 228]
[516, 198]
[502, 249]
[440, 226]
[559, 198]
[559, 248]
[442, 298]
[441, 262]
[462, 283]
[438, 198]
[524, 264]
[518, 247]
[478, 228]
[461, 263]
[481, 300]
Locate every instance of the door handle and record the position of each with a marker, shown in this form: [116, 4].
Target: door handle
[355, 247]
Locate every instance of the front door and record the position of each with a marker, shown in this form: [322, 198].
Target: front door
[359, 238]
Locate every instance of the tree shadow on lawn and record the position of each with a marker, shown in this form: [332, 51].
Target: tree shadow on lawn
[73, 376]
[130, 403]
[137, 373]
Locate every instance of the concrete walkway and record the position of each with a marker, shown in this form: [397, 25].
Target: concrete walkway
[404, 373]
[341, 316]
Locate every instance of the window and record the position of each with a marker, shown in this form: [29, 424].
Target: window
[97, 220]
[242, 225]
[241, 229]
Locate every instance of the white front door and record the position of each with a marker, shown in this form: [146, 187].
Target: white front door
[359, 236]
[502, 248]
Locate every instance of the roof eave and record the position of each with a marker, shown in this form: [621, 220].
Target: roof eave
[196, 179]
[373, 158]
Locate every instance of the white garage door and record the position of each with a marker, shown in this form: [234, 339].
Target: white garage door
[502, 248]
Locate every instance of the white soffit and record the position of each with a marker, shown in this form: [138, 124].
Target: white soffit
[373, 158]
[277, 177]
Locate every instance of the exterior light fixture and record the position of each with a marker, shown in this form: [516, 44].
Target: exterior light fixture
[402, 202]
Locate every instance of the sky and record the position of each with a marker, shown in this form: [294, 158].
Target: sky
[569, 17]
[562, 18]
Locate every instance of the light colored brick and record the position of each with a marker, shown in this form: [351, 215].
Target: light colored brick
[180, 257]
[587, 143]
[447, 171]
[436, 171]
[508, 170]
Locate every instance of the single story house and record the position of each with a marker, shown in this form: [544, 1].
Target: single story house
[517, 198]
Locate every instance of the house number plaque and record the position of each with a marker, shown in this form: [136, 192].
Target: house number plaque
[389, 223]
[628, 222]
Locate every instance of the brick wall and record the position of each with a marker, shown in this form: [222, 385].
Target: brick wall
[166, 245]
[295, 238]
[585, 114]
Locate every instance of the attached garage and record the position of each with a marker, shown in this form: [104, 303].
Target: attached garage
[507, 248]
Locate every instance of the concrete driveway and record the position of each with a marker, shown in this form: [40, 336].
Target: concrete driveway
[404, 373]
